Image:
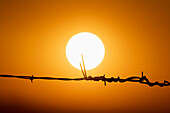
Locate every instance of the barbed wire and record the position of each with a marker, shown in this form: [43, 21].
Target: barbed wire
[142, 80]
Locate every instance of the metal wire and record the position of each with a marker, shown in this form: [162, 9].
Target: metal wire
[142, 80]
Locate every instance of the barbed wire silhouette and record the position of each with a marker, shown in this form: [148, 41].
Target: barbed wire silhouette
[143, 79]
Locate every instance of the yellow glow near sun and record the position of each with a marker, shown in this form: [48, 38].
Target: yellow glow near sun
[87, 44]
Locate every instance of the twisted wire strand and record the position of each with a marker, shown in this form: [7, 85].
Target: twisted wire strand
[142, 80]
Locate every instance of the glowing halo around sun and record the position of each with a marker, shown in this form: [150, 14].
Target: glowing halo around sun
[87, 44]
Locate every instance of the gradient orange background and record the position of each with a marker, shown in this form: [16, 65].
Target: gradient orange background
[33, 38]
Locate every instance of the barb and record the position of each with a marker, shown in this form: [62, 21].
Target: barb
[83, 71]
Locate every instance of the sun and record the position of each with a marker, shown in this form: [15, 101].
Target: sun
[87, 44]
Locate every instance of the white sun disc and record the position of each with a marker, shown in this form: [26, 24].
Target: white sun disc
[87, 44]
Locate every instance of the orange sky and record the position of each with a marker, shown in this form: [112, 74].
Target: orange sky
[34, 34]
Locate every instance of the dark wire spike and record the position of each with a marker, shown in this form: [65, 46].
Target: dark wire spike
[85, 74]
